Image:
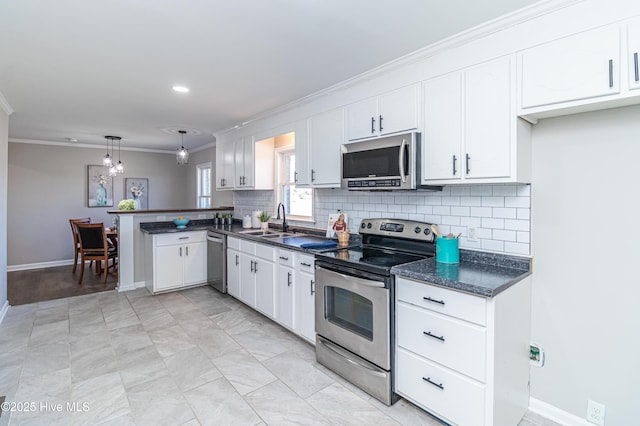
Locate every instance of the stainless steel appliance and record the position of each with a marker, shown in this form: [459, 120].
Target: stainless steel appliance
[355, 302]
[388, 163]
[217, 260]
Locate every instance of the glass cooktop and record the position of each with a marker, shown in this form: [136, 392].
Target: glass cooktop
[372, 259]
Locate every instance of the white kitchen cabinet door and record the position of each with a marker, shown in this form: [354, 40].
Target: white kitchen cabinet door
[303, 167]
[326, 134]
[168, 267]
[247, 280]
[265, 287]
[284, 313]
[442, 136]
[398, 110]
[195, 263]
[633, 53]
[362, 119]
[305, 306]
[488, 120]
[233, 273]
[248, 160]
[582, 66]
[225, 163]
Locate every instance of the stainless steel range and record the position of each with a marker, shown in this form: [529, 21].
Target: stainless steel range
[354, 302]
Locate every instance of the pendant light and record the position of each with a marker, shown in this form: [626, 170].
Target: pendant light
[120, 164]
[107, 160]
[182, 154]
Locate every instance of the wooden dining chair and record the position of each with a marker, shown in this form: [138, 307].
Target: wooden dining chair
[94, 246]
[76, 239]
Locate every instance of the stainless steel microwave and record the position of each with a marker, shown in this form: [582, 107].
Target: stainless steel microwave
[383, 164]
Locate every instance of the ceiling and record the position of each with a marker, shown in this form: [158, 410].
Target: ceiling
[86, 69]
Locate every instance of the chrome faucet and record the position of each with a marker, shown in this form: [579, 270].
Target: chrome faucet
[284, 216]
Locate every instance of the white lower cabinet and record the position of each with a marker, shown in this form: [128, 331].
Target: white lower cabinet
[305, 289]
[285, 289]
[257, 276]
[458, 350]
[176, 260]
[233, 272]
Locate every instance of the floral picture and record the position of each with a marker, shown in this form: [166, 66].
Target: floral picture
[99, 187]
[137, 189]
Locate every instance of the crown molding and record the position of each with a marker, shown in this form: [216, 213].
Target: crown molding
[5, 105]
[84, 145]
[482, 30]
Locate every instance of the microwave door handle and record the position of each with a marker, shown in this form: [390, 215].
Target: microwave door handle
[401, 160]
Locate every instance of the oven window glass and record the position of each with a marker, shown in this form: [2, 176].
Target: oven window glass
[350, 311]
[382, 162]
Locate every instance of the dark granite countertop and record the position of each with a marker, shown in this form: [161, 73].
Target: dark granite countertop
[478, 273]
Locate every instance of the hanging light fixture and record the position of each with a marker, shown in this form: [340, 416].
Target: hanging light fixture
[107, 160]
[120, 164]
[182, 154]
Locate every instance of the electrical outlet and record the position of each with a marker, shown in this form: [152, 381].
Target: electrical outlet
[595, 413]
[471, 234]
[536, 355]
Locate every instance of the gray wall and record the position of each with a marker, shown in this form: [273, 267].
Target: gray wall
[585, 221]
[4, 135]
[48, 186]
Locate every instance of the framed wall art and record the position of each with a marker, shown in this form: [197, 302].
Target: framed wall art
[137, 189]
[99, 187]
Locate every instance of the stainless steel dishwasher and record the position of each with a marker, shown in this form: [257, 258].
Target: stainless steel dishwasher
[217, 261]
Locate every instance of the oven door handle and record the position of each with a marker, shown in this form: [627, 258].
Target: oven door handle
[401, 161]
[346, 355]
[360, 281]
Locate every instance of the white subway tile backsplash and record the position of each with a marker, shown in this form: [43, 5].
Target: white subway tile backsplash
[500, 213]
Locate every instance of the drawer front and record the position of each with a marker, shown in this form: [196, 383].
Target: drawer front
[285, 257]
[449, 302]
[266, 252]
[305, 263]
[179, 238]
[448, 395]
[455, 344]
[233, 243]
[247, 247]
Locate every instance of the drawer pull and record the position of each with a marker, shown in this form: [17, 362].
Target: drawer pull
[284, 258]
[305, 264]
[428, 299]
[183, 238]
[428, 379]
[428, 333]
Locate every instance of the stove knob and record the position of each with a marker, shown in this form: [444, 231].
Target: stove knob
[369, 225]
[362, 225]
[417, 230]
[427, 231]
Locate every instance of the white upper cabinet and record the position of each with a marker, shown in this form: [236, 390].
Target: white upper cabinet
[244, 158]
[582, 66]
[472, 132]
[244, 164]
[392, 112]
[318, 141]
[633, 53]
[225, 165]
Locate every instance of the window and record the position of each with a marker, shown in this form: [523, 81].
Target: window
[297, 201]
[204, 185]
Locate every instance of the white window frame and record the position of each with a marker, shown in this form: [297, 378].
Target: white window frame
[199, 195]
[279, 172]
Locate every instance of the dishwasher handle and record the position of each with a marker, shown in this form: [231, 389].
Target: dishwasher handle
[215, 239]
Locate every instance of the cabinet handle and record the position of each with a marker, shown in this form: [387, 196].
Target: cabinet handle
[288, 279]
[635, 66]
[428, 299]
[252, 266]
[610, 72]
[454, 165]
[295, 177]
[255, 267]
[180, 251]
[428, 333]
[313, 175]
[428, 379]
[468, 159]
[187, 250]
[305, 264]
[284, 258]
[373, 125]
[311, 287]
[380, 122]
[183, 238]
[237, 260]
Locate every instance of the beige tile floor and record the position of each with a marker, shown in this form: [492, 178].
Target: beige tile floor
[184, 358]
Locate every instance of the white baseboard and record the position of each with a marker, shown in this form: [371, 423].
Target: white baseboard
[139, 284]
[4, 310]
[557, 415]
[27, 266]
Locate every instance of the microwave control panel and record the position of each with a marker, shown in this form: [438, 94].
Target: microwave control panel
[374, 183]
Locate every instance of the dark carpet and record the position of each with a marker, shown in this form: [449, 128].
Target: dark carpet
[39, 285]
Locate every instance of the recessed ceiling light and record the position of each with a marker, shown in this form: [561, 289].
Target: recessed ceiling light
[180, 89]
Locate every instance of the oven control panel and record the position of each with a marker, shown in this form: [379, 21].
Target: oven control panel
[399, 228]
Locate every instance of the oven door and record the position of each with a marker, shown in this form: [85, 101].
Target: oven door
[354, 312]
